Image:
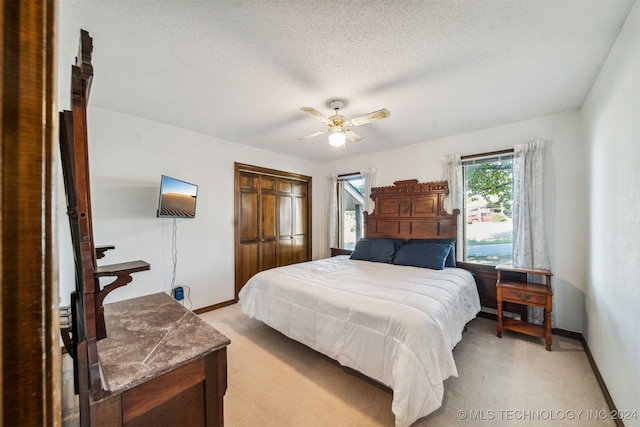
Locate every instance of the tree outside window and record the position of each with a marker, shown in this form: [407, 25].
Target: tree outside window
[488, 202]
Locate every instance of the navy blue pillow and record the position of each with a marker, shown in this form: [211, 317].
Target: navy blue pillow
[376, 250]
[428, 255]
[451, 258]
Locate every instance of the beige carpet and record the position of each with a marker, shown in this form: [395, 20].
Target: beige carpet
[513, 381]
[274, 381]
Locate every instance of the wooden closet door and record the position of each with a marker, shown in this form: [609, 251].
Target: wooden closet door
[272, 220]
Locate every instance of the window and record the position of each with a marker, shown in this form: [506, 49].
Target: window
[488, 226]
[350, 207]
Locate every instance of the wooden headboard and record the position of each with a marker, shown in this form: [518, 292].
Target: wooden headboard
[411, 210]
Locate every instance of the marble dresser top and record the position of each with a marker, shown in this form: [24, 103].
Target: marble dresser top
[149, 336]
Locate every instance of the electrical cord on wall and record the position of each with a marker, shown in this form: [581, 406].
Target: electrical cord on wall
[174, 253]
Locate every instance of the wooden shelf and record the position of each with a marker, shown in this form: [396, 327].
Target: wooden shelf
[523, 327]
[121, 268]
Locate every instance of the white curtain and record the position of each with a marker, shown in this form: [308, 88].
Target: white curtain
[332, 213]
[453, 175]
[529, 244]
[369, 176]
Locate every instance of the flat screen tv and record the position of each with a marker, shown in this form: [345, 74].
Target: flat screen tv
[177, 198]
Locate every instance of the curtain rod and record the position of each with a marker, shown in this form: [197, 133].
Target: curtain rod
[489, 154]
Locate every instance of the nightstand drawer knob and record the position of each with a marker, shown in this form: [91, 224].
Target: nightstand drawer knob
[522, 296]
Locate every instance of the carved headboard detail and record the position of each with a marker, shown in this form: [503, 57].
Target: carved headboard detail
[411, 210]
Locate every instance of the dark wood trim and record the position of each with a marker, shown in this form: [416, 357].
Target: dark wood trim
[215, 306]
[30, 376]
[272, 172]
[603, 386]
[568, 334]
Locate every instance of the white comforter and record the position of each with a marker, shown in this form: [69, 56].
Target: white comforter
[395, 324]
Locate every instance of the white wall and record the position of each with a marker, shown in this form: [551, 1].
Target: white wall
[591, 206]
[565, 197]
[127, 157]
[612, 122]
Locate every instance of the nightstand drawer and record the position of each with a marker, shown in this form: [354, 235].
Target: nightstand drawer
[522, 297]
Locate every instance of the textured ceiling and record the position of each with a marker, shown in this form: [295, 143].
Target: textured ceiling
[240, 70]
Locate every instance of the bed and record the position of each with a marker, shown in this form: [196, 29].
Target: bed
[393, 310]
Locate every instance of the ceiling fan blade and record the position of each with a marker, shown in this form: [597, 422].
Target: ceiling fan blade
[368, 118]
[313, 135]
[319, 116]
[352, 136]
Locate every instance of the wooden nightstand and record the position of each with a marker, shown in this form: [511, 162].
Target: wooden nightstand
[525, 293]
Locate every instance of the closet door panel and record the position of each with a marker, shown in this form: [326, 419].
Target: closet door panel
[268, 238]
[300, 216]
[268, 222]
[285, 186]
[285, 228]
[299, 250]
[285, 252]
[248, 262]
[268, 254]
[268, 217]
[285, 220]
[248, 218]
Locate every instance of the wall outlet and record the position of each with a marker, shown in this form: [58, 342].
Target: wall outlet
[178, 293]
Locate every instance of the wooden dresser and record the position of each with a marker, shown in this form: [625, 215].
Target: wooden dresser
[161, 364]
[144, 361]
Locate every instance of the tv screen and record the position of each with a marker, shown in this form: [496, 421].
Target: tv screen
[177, 198]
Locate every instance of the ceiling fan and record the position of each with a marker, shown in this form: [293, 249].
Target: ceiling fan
[339, 125]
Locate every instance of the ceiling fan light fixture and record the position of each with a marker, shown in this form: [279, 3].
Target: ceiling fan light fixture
[336, 137]
[339, 128]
